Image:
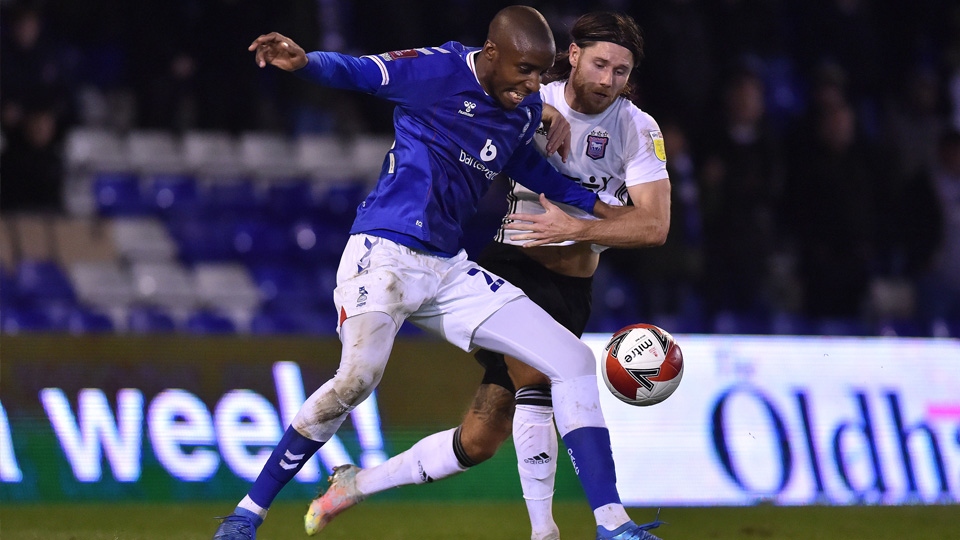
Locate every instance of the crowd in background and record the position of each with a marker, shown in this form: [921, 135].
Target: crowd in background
[813, 146]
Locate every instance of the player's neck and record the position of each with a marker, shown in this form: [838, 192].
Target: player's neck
[482, 69]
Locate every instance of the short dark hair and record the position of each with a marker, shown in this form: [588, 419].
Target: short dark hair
[598, 26]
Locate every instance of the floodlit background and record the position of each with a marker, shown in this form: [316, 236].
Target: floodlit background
[155, 180]
[171, 218]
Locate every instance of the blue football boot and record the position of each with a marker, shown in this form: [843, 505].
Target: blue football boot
[240, 525]
[631, 531]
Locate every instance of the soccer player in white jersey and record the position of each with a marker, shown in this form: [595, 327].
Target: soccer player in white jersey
[462, 116]
[617, 152]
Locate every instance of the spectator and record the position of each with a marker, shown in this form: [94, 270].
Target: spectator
[669, 277]
[30, 69]
[30, 165]
[914, 121]
[830, 212]
[742, 178]
[940, 286]
[679, 74]
[34, 100]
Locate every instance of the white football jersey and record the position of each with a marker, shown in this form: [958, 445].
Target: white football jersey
[617, 148]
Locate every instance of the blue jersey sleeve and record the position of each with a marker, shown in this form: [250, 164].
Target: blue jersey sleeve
[341, 71]
[531, 169]
[408, 77]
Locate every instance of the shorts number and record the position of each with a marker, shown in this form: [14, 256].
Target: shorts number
[494, 285]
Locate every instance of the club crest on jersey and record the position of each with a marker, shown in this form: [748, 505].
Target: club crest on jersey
[658, 147]
[362, 297]
[395, 55]
[596, 146]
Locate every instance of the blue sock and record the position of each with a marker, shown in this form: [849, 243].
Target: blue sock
[592, 456]
[289, 456]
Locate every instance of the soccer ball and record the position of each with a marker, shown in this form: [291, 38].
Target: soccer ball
[642, 365]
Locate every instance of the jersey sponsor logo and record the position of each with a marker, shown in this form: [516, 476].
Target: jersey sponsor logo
[593, 183]
[597, 146]
[658, 147]
[471, 161]
[489, 151]
[468, 107]
[396, 55]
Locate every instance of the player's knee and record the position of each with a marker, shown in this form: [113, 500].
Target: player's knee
[579, 362]
[488, 422]
[482, 441]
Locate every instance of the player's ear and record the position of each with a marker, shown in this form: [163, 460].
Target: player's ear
[573, 54]
[489, 50]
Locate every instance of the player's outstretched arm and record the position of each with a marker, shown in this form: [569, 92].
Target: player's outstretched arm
[279, 51]
[644, 225]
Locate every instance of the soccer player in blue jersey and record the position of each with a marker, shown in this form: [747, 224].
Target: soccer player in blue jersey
[617, 150]
[462, 116]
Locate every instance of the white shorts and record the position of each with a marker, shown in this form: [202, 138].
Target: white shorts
[450, 297]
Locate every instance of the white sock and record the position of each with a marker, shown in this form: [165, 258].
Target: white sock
[611, 516]
[247, 504]
[431, 458]
[535, 439]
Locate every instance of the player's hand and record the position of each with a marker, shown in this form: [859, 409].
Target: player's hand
[278, 50]
[558, 132]
[552, 226]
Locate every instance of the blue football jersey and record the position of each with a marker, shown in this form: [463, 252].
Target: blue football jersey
[451, 140]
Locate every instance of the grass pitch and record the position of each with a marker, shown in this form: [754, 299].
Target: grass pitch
[474, 521]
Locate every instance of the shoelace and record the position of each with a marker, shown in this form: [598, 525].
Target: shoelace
[653, 524]
[232, 525]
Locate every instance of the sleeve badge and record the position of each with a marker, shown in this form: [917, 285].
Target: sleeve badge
[658, 147]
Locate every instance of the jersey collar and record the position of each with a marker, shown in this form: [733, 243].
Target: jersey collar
[472, 64]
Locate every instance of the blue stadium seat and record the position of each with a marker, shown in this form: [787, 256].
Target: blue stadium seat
[173, 193]
[208, 322]
[276, 322]
[118, 194]
[338, 203]
[201, 239]
[42, 281]
[296, 320]
[290, 199]
[237, 197]
[149, 320]
[82, 320]
[256, 241]
[8, 288]
[315, 242]
[287, 287]
[15, 320]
